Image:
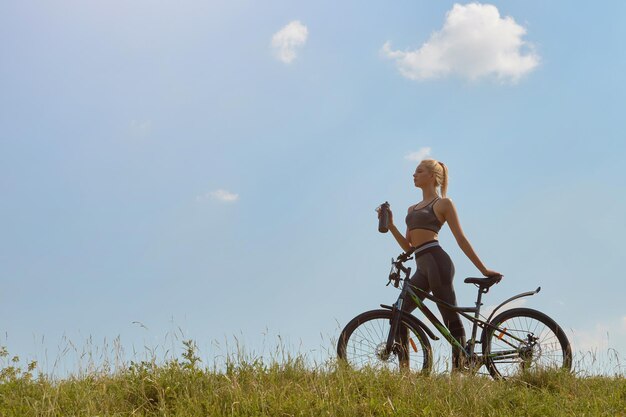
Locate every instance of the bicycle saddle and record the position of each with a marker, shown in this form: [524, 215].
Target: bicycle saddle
[484, 282]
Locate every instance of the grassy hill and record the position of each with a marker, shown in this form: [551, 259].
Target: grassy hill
[183, 387]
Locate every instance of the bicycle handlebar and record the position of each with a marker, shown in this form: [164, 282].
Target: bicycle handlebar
[394, 274]
[405, 256]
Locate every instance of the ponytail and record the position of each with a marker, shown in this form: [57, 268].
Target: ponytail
[444, 180]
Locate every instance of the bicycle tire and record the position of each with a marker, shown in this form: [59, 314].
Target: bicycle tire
[363, 339]
[544, 347]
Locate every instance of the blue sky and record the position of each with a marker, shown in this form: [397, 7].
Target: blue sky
[123, 125]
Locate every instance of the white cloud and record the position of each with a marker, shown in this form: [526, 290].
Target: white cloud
[594, 339]
[287, 41]
[474, 42]
[600, 349]
[420, 155]
[140, 128]
[487, 310]
[603, 335]
[219, 195]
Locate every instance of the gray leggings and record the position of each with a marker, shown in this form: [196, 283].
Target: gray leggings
[435, 272]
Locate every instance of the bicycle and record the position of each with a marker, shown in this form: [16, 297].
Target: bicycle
[519, 339]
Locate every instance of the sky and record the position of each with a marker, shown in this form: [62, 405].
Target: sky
[209, 170]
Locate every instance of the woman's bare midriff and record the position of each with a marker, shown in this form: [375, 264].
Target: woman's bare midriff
[421, 236]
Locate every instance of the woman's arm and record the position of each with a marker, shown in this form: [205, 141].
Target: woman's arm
[402, 241]
[449, 213]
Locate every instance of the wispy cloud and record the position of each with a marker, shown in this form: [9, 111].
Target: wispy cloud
[219, 195]
[140, 128]
[287, 41]
[591, 339]
[420, 155]
[487, 310]
[475, 42]
[600, 348]
[603, 335]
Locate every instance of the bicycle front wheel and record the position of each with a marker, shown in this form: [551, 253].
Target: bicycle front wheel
[522, 339]
[362, 344]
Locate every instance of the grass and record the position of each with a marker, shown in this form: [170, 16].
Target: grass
[292, 387]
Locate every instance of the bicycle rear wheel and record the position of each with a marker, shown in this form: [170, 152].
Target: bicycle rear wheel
[523, 339]
[362, 344]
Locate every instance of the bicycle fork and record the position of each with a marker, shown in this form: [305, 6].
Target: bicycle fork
[394, 339]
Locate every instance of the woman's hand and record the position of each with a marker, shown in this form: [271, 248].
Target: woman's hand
[390, 217]
[490, 273]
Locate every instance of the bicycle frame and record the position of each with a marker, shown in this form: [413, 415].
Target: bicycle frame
[469, 350]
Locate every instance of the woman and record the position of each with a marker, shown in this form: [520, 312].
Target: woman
[435, 270]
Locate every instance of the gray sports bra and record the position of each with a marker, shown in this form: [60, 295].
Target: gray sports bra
[424, 218]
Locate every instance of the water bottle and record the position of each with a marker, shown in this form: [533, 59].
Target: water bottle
[383, 220]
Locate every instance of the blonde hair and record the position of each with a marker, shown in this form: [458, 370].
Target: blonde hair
[440, 171]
